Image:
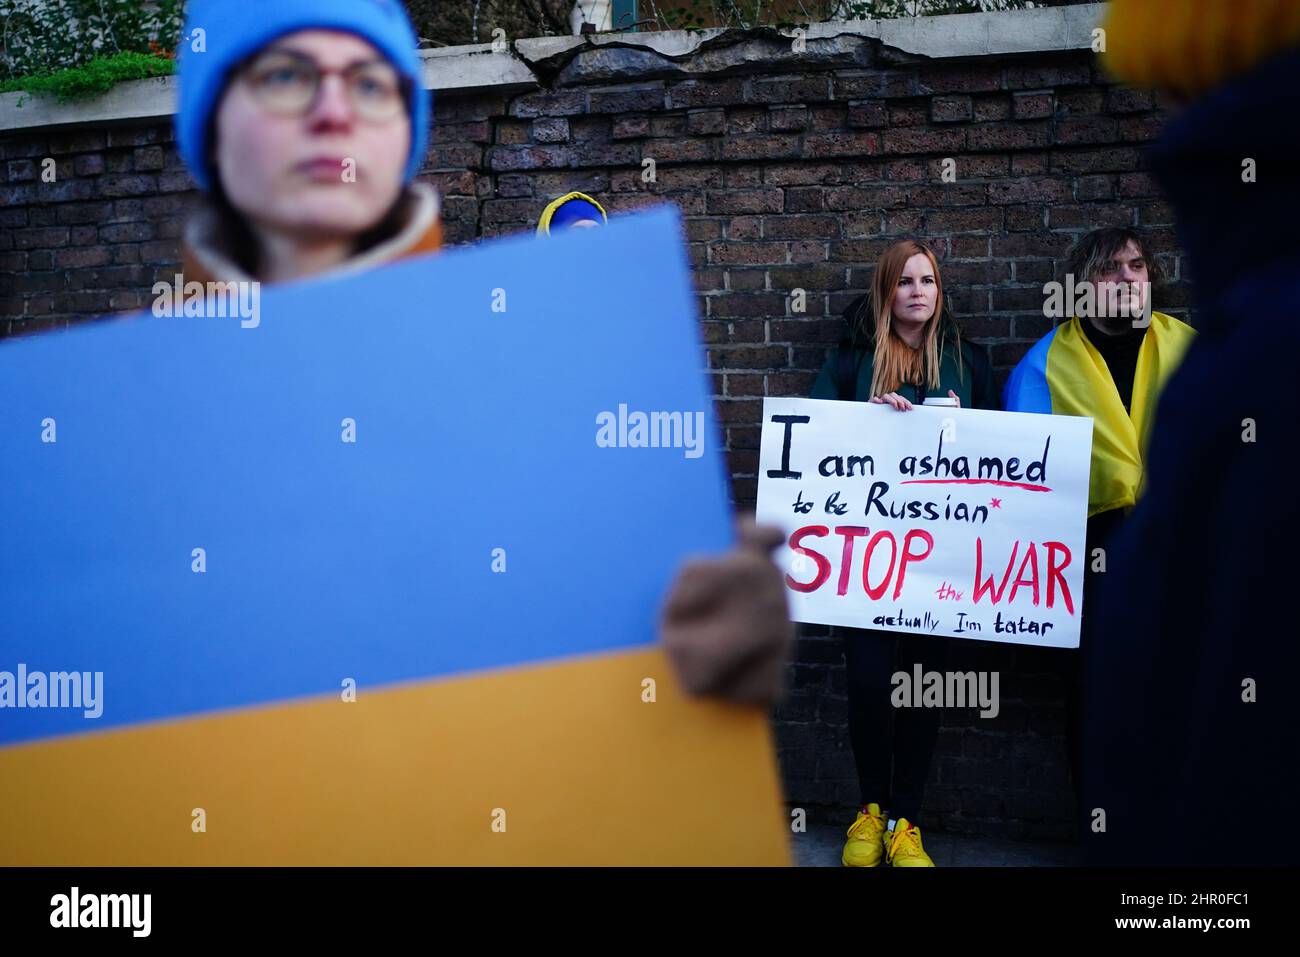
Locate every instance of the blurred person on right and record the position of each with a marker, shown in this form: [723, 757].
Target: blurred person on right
[1190, 749]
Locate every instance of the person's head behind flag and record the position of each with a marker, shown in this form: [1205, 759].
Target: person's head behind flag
[570, 211]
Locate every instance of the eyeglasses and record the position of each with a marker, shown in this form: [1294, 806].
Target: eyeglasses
[287, 83]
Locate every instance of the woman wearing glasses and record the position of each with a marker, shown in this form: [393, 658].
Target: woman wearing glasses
[305, 140]
[304, 122]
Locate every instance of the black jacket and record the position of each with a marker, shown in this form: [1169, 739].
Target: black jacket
[963, 367]
[1196, 604]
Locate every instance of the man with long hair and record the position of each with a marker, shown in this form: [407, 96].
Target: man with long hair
[1109, 361]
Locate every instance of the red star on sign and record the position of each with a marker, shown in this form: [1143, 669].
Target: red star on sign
[996, 503]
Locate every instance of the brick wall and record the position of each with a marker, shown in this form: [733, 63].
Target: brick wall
[790, 174]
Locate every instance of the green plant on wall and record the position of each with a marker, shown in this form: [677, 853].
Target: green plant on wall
[91, 79]
[73, 48]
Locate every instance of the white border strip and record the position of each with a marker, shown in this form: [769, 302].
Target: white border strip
[473, 69]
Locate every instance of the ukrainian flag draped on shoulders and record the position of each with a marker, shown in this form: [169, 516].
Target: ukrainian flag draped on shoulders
[1064, 374]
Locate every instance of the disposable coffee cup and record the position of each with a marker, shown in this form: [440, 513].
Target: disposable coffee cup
[946, 401]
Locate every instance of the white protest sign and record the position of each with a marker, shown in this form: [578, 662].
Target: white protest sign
[956, 522]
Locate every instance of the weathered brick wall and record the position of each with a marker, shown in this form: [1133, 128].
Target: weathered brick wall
[790, 173]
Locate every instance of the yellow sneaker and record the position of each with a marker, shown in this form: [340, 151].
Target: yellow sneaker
[903, 847]
[866, 844]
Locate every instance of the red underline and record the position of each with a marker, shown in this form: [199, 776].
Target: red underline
[1024, 485]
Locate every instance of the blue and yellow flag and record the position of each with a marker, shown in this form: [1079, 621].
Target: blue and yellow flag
[1064, 374]
[358, 582]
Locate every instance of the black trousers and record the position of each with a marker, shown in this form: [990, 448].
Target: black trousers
[1072, 663]
[1068, 665]
[892, 747]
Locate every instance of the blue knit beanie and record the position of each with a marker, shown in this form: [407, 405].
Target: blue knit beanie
[236, 29]
[576, 210]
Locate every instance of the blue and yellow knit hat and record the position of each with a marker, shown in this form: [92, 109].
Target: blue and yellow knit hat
[567, 210]
[233, 30]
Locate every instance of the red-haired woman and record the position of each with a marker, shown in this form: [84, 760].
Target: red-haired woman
[905, 348]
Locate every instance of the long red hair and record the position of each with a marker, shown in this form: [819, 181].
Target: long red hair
[896, 361]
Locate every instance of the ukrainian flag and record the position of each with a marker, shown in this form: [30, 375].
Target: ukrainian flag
[432, 644]
[559, 763]
[1064, 374]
